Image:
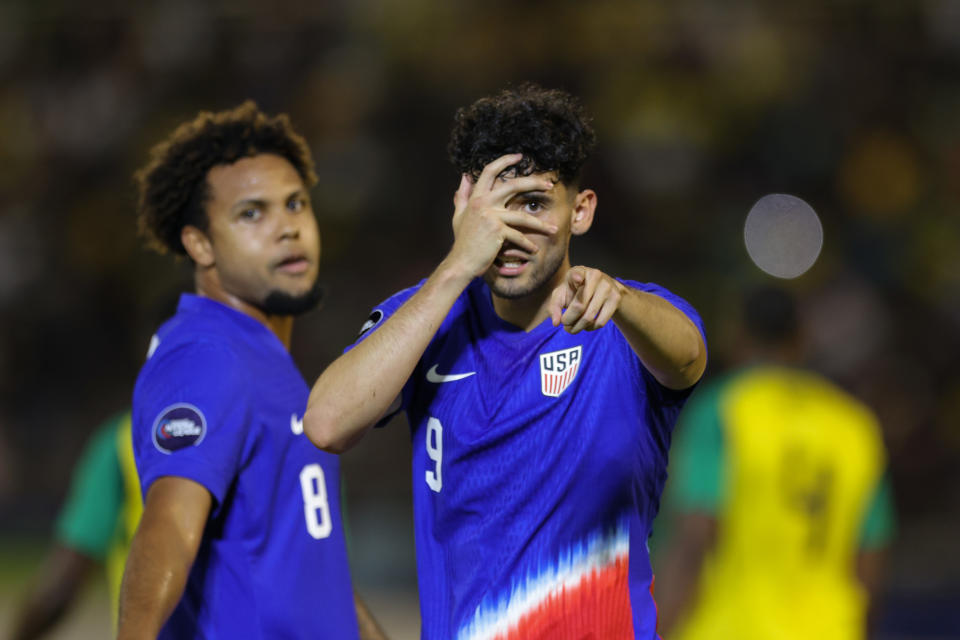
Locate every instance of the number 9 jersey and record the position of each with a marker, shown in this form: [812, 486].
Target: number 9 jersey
[538, 461]
[220, 401]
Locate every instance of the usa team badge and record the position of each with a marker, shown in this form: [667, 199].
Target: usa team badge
[177, 427]
[558, 369]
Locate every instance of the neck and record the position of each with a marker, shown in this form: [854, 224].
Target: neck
[528, 311]
[208, 286]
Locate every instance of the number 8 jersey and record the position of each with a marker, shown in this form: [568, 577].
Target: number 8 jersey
[538, 462]
[220, 401]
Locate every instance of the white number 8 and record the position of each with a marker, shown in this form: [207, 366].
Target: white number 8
[435, 451]
[316, 508]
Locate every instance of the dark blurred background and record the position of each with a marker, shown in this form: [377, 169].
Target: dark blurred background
[701, 108]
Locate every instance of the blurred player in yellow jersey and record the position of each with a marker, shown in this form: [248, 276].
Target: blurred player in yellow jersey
[784, 511]
[94, 527]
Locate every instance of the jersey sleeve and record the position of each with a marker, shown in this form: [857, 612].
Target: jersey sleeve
[380, 314]
[665, 396]
[879, 525]
[697, 472]
[88, 519]
[192, 417]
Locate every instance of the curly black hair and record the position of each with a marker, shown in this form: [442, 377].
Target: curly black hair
[173, 188]
[548, 126]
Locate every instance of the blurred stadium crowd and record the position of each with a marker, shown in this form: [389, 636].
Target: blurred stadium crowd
[701, 108]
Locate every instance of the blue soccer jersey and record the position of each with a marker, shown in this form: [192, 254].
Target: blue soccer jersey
[220, 401]
[538, 462]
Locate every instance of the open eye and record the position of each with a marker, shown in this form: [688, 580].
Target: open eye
[533, 206]
[297, 204]
[251, 214]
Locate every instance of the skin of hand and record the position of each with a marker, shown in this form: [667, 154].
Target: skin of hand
[358, 388]
[481, 221]
[586, 300]
[667, 342]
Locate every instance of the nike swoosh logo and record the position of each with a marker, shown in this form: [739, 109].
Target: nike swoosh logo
[296, 425]
[433, 376]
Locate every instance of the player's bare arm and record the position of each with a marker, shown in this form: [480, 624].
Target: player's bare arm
[161, 555]
[663, 337]
[369, 628]
[359, 387]
[64, 573]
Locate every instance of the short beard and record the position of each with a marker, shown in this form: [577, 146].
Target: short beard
[281, 303]
[537, 279]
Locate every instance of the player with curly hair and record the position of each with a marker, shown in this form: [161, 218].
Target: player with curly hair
[540, 395]
[241, 534]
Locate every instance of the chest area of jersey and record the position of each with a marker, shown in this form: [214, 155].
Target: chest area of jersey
[490, 382]
[279, 417]
[548, 414]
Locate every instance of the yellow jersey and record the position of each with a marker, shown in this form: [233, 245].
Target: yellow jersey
[792, 467]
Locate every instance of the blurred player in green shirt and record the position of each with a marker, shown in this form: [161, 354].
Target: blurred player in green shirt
[94, 528]
[778, 480]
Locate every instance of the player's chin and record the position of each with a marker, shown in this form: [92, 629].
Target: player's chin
[508, 287]
[292, 300]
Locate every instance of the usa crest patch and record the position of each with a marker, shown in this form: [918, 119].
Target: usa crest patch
[558, 369]
[177, 427]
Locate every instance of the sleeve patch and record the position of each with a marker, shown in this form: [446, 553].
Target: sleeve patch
[177, 427]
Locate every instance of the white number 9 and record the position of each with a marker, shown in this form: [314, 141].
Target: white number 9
[435, 451]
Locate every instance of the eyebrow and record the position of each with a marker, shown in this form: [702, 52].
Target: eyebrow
[534, 195]
[256, 202]
[260, 202]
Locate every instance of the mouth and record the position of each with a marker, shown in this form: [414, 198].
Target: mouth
[293, 264]
[511, 263]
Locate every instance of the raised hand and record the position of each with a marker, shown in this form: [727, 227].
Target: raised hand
[481, 221]
[590, 298]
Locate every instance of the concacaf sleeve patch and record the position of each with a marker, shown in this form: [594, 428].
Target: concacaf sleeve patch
[371, 322]
[177, 427]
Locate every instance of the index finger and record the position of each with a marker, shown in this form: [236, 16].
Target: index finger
[558, 300]
[495, 168]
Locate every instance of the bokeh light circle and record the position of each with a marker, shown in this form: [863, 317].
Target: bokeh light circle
[783, 235]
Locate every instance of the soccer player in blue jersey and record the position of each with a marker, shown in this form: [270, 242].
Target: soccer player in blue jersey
[241, 534]
[540, 395]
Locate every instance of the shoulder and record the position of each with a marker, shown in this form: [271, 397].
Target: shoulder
[398, 298]
[387, 307]
[841, 401]
[196, 360]
[817, 391]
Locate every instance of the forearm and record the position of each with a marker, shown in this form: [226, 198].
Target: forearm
[663, 337]
[679, 574]
[357, 389]
[59, 581]
[161, 555]
[369, 629]
[153, 582]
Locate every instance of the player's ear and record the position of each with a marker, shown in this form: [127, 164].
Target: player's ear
[584, 206]
[198, 245]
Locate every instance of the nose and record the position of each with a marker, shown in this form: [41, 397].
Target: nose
[290, 227]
